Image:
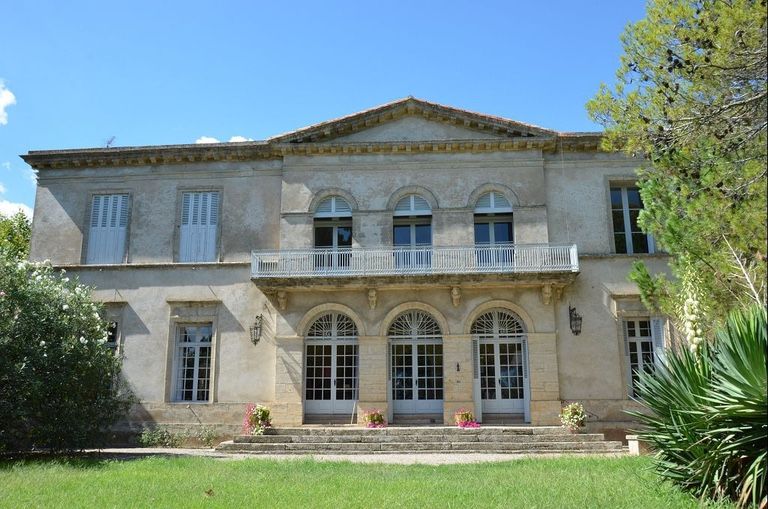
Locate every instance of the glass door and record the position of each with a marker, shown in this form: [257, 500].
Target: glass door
[413, 244]
[334, 242]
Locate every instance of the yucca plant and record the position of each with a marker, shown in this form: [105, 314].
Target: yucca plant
[708, 413]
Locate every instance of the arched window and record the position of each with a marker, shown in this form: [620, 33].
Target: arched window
[333, 233]
[333, 206]
[412, 232]
[414, 325]
[494, 229]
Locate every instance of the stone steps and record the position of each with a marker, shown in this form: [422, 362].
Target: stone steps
[394, 440]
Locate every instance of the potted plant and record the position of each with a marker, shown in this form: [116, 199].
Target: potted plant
[465, 419]
[573, 416]
[374, 418]
[256, 420]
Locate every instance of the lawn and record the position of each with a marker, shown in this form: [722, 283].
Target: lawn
[207, 482]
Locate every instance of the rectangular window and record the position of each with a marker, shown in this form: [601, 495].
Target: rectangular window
[113, 338]
[108, 227]
[199, 224]
[643, 348]
[192, 362]
[626, 205]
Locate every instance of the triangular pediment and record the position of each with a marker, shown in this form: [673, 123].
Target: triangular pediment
[410, 120]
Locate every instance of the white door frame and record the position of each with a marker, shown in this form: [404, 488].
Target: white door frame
[490, 333]
[324, 332]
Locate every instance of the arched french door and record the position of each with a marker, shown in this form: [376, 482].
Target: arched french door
[502, 362]
[331, 365]
[416, 363]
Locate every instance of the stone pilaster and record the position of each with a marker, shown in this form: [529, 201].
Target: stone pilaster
[372, 375]
[543, 379]
[287, 409]
[457, 375]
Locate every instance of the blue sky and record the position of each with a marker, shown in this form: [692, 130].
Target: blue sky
[74, 74]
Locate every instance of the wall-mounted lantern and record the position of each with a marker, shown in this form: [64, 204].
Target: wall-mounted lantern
[256, 329]
[575, 320]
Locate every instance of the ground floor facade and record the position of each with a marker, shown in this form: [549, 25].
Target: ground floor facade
[200, 342]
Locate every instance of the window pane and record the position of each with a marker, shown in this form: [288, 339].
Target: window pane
[618, 221]
[616, 198]
[402, 235]
[621, 242]
[502, 232]
[323, 236]
[482, 233]
[639, 243]
[633, 215]
[344, 236]
[423, 234]
[633, 198]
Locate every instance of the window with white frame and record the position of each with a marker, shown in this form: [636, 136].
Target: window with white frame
[113, 337]
[628, 238]
[494, 233]
[333, 233]
[108, 228]
[412, 232]
[199, 226]
[192, 362]
[643, 348]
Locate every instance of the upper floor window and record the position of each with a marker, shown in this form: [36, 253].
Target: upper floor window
[626, 205]
[333, 233]
[108, 227]
[199, 226]
[493, 220]
[412, 231]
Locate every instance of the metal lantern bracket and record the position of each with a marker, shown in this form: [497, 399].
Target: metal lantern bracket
[256, 329]
[575, 320]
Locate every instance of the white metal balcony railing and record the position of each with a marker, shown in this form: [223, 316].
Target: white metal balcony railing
[392, 261]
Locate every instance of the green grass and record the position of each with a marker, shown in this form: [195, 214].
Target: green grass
[205, 482]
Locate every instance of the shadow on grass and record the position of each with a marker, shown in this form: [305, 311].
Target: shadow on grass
[80, 460]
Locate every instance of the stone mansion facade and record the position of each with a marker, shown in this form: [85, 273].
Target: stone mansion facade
[413, 258]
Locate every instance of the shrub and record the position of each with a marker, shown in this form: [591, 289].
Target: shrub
[59, 385]
[708, 417]
[573, 416]
[161, 437]
[207, 435]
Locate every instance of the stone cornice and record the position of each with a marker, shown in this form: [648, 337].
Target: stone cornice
[246, 151]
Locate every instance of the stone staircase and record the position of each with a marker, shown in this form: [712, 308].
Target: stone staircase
[422, 440]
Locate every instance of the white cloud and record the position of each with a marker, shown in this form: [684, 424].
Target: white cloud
[211, 139]
[6, 165]
[2, 188]
[8, 208]
[6, 99]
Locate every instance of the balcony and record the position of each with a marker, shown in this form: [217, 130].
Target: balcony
[341, 266]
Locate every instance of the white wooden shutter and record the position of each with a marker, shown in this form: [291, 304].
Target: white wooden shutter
[476, 391]
[627, 360]
[108, 227]
[657, 333]
[199, 224]
[412, 205]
